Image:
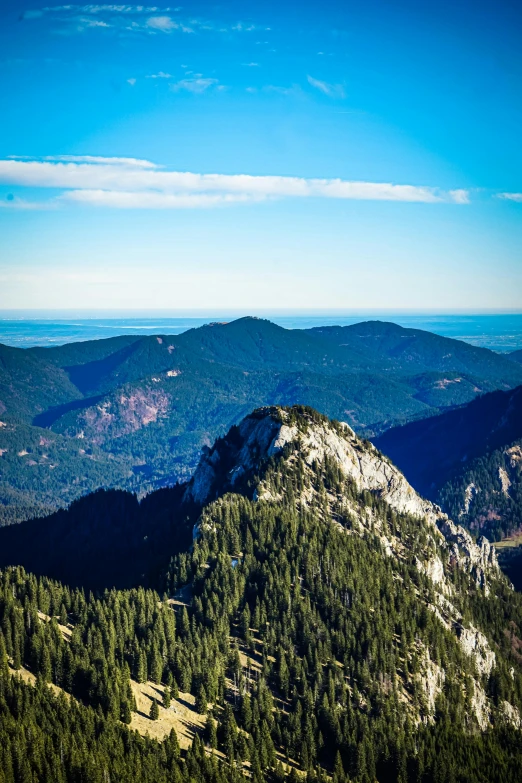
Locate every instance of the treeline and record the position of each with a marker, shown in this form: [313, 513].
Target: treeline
[112, 638]
[51, 739]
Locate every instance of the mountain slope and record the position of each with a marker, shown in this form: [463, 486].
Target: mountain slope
[333, 619]
[144, 406]
[30, 385]
[467, 460]
[41, 471]
[105, 539]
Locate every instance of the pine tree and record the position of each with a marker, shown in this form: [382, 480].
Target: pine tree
[154, 710]
[338, 772]
[210, 731]
[126, 714]
[201, 700]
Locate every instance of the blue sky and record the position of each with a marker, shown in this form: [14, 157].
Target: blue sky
[261, 155]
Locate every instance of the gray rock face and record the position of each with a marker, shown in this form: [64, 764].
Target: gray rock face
[475, 644]
[478, 559]
[256, 440]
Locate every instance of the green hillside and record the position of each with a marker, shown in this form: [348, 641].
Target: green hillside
[30, 385]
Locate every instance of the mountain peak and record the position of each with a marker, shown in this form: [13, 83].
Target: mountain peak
[302, 470]
[239, 462]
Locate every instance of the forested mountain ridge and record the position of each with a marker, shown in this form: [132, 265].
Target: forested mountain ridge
[515, 356]
[106, 539]
[134, 412]
[468, 460]
[326, 617]
[416, 350]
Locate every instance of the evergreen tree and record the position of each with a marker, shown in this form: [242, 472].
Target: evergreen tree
[154, 710]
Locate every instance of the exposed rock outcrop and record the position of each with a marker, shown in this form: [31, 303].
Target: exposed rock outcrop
[475, 644]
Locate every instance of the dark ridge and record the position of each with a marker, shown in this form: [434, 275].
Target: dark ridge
[430, 451]
[48, 417]
[103, 540]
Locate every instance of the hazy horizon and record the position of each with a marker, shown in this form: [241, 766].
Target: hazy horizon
[501, 332]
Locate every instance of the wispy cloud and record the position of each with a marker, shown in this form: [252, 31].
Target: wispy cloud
[459, 196]
[332, 90]
[196, 85]
[160, 75]
[150, 200]
[164, 23]
[101, 8]
[295, 89]
[93, 159]
[152, 20]
[511, 197]
[135, 183]
[242, 27]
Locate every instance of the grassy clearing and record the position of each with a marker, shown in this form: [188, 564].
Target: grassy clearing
[509, 542]
[181, 715]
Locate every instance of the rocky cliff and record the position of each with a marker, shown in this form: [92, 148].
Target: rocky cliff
[269, 431]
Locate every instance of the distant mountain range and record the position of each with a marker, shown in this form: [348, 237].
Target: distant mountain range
[134, 412]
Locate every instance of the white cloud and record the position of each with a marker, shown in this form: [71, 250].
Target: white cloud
[164, 23]
[104, 9]
[131, 81]
[332, 90]
[293, 90]
[94, 159]
[96, 23]
[195, 85]
[511, 196]
[459, 196]
[138, 183]
[160, 75]
[242, 27]
[148, 200]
